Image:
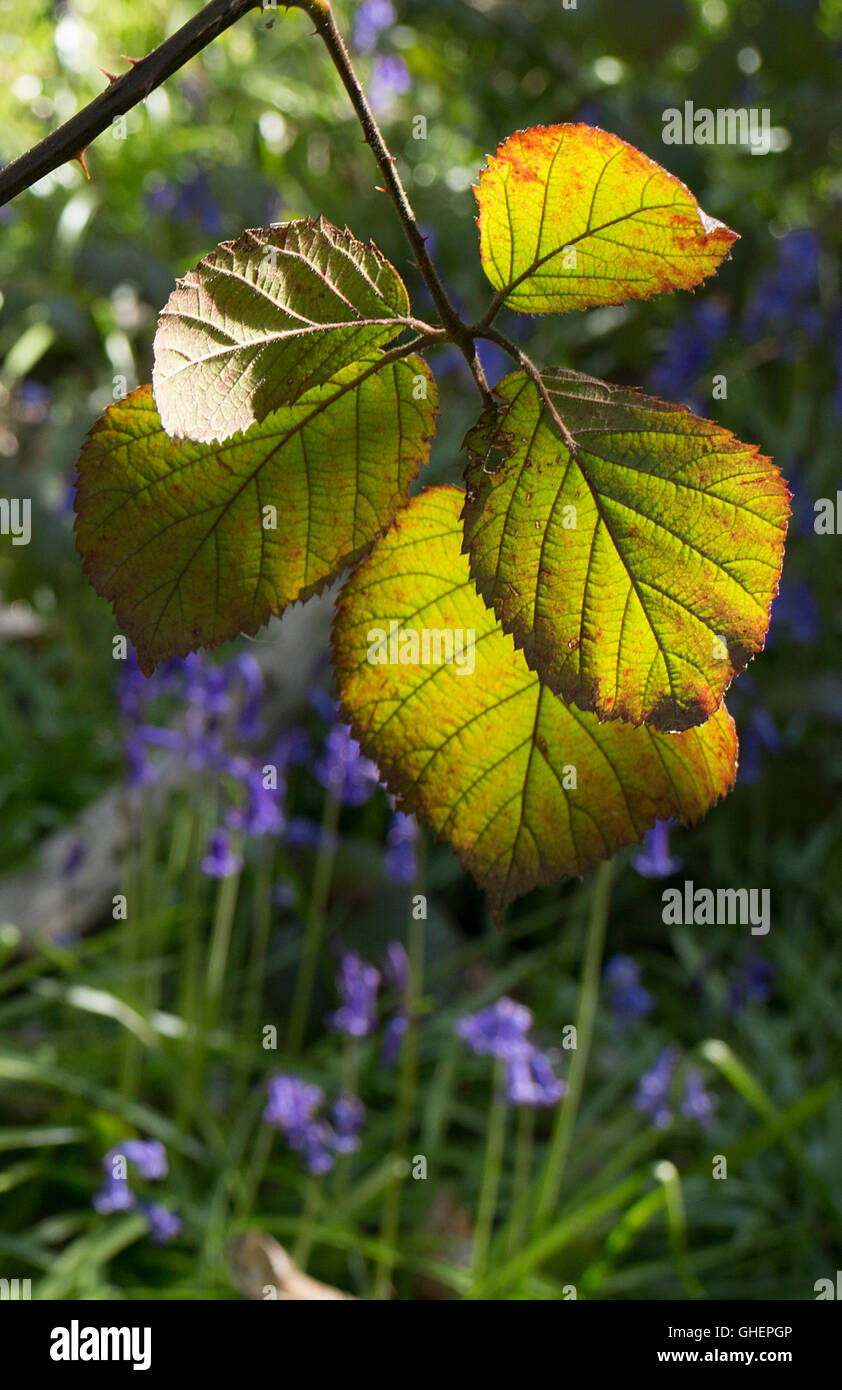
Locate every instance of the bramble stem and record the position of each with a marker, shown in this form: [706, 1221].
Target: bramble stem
[322, 16]
[121, 94]
[538, 382]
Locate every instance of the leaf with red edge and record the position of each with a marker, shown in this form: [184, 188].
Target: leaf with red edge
[177, 536]
[571, 216]
[637, 575]
[477, 746]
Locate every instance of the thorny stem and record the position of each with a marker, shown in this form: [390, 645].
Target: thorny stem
[538, 382]
[122, 93]
[322, 16]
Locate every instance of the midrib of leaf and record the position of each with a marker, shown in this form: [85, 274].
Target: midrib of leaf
[589, 231]
[388, 359]
[663, 652]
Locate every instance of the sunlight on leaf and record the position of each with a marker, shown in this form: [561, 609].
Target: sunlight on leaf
[571, 216]
[489, 757]
[195, 543]
[638, 581]
[265, 318]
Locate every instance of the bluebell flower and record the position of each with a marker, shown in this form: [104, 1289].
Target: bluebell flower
[220, 860]
[497, 1031]
[295, 1110]
[115, 1195]
[343, 770]
[390, 78]
[501, 1031]
[396, 976]
[246, 669]
[656, 861]
[348, 1117]
[261, 811]
[753, 981]
[691, 347]
[794, 613]
[303, 833]
[653, 1092]
[370, 18]
[148, 1156]
[188, 200]
[393, 1035]
[293, 748]
[356, 982]
[399, 863]
[784, 301]
[292, 1103]
[164, 1225]
[628, 999]
[697, 1103]
[530, 1080]
[74, 859]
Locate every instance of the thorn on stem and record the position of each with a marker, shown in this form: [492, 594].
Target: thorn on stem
[81, 158]
[112, 76]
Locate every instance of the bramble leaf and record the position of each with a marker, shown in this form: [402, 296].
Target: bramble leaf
[488, 756]
[571, 216]
[265, 318]
[638, 580]
[195, 543]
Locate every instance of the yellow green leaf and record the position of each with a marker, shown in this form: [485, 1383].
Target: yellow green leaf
[638, 575]
[265, 318]
[526, 789]
[571, 216]
[195, 543]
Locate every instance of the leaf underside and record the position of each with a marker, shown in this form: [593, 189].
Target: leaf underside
[482, 757]
[265, 318]
[175, 533]
[637, 578]
[571, 217]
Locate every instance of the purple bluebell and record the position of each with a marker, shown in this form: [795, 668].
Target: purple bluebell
[356, 983]
[795, 614]
[530, 1080]
[246, 669]
[390, 78]
[261, 811]
[74, 859]
[293, 748]
[115, 1195]
[500, 1031]
[347, 1117]
[653, 1092]
[690, 348]
[292, 1103]
[343, 770]
[148, 1156]
[164, 1225]
[396, 976]
[32, 401]
[628, 1000]
[220, 860]
[753, 981]
[697, 1103]
[295, 1109]
[393, 1035]
[655, 861]
[497, 1031]
[370, 18]
[399, 862]
[303, 833]
[784, 303]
